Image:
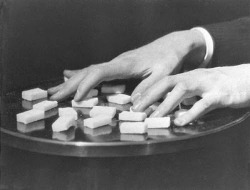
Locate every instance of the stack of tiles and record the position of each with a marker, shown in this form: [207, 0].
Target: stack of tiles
[34, 126]
[30, 116]
[33, 120]
[100, 116]
[132, 122]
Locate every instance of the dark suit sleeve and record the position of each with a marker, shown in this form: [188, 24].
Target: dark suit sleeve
[232, 42]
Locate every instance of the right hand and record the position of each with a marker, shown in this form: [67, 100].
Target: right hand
[162, 57]
[217, 87]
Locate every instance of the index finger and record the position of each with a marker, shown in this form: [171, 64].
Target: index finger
[154, 93]
[69, 87]
[200, 108]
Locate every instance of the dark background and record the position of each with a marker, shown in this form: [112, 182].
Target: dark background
[40, 38]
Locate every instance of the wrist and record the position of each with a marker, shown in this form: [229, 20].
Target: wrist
[195, 49]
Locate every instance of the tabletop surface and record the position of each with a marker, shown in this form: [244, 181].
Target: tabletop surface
[105, 141]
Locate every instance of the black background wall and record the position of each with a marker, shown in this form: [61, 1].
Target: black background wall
[40, 38]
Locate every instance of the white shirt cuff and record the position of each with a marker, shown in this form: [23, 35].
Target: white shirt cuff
[209, 46]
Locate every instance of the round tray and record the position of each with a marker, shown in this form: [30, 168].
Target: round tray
[106, 141]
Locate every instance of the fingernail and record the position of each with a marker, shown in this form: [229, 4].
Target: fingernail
[155, 114]
[77, 96]
[135, 97]
[136, 106]
[179, 122]
[55, 96]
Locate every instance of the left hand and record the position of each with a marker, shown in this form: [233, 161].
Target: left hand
[151, 62]
[218, 87]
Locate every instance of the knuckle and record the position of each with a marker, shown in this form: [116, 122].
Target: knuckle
[95, 70]
[91, 68]
[182, 86]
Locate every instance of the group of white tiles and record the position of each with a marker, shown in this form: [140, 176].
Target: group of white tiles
[130, 122]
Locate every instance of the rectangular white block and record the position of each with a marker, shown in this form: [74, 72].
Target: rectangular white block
[88, 103]
[63, 123]
[27, 128]
[132, 116]
[45, 105]
[68, 112]
[98, 121]
[158, 122]
[119, 98]
[115, 89]
[102, 110]
[133, 127]
[30, 116]
[92, 93]
[34, 94]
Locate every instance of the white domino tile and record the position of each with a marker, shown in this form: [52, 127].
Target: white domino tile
[119, 98]
[133, 127]
[88, 103]
[98, 121]
[132, 116]
[34, 94]
[158, 122]
[30, 116]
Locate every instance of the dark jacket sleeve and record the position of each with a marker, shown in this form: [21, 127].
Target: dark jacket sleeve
[232, 42]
